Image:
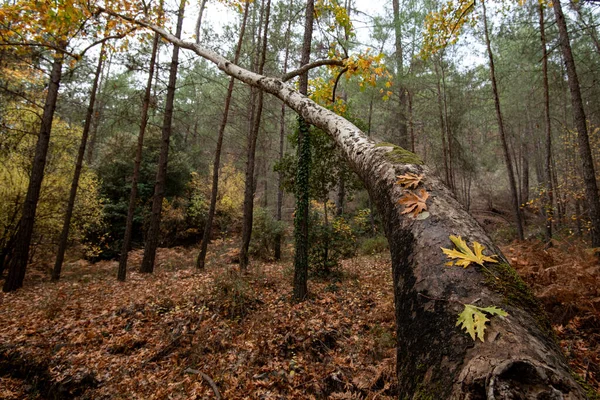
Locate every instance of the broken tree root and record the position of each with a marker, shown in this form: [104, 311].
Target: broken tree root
[208, 380]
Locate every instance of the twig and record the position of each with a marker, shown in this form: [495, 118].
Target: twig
[208, 380]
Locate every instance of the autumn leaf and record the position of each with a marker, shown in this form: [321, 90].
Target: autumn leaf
[414, 203]
[473, 319]
[464, 256]
[409, 180]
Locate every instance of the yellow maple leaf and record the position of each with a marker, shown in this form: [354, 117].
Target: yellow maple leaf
[464, 256]
[409, 180]
[414, 203]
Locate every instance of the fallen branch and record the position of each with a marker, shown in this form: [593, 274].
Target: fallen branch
[208, 380]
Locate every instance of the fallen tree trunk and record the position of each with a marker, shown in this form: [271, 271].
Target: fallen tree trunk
[435, 359]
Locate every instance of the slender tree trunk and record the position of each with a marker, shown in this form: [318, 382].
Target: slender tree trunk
[64, 236]
[122, 273]
[549, 202]
[200, 261]
[282, 138]
[17, 262]
[507, 158]
[341, 196]
[585, 152]
[524, 173]
[161, 175]
[97, 117]
[199, 20]
[250, 186]
[302, 176]
[447, 128]
[402, 126]
[411, 122]
[370, 204]
[443, 130]
[436, 359]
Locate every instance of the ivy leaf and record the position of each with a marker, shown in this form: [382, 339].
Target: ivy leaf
[473, 319]
[409, 180]
[464, 256]
[414, 203]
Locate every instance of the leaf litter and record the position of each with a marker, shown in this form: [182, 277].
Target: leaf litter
[140, 339]
[566, 280]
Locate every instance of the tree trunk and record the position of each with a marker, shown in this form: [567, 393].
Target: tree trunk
[199, 20]
[341, 196]
[277, 245]
[17, 260]
[443, 130]
[161, 175]
[507, 158]
[403, 140]
[435, 359]
[303, 173]
[64, 236]
[525, 173]
[99, 107]
[250, 186]
[217, 161]
[126, 245]
[548, 207]
[585, 153]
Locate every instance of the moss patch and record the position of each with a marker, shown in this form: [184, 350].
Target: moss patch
[590, 392]
[503, 279]
[399, 155]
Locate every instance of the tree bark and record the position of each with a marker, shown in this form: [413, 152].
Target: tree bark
[302, 176]
[250, 185]
[509, 166]
[19, 257]
[548, 208]
[99, 107]
[435, 359]
[585, 152]
[64, 236]
[161, 175]
[126, 245]
[199, 20]
[403, 139]
[200, 260]
[277, 245]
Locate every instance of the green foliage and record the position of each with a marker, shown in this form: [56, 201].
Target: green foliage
[374, 245]
[115, 167]
[473, 319]
[265, 229]
[327, 167]
[329, 243]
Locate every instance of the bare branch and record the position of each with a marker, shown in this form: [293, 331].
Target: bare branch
[308, 67]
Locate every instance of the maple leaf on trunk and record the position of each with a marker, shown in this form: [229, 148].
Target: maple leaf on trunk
[414, 203]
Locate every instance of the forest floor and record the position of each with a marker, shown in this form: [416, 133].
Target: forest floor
[172, 334]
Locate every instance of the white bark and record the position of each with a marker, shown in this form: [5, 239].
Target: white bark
[519, 358]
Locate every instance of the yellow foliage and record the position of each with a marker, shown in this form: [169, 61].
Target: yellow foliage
[443, 27]
[17, 146]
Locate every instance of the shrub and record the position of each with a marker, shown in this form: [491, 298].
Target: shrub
[374, 245]
[329, 243]
[265, 230]
[233, 296]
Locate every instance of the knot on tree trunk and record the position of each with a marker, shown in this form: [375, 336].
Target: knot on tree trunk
[518, 379]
